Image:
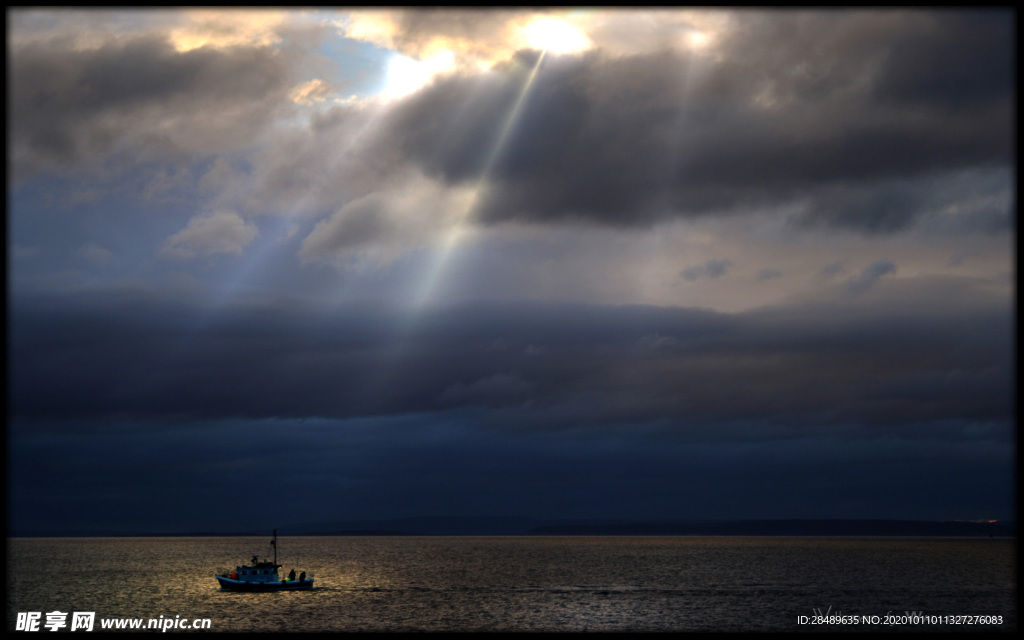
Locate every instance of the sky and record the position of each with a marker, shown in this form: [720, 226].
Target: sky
[268, 267]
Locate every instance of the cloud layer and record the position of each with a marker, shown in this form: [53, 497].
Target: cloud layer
[610, 263]
[810, 365]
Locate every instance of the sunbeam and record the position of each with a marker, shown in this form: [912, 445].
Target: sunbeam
[457, 230]
[440, 260]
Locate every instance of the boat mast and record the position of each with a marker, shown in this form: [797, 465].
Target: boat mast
[274, 543]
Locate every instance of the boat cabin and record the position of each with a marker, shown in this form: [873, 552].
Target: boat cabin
[258, 572]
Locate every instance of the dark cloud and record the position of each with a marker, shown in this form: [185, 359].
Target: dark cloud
[68, 105]
[791, 107]
[498, 389]
[870, 275]
[833, 269]
[563, 365]
[969, 47]
[859, 394]
[980, 199]
[711, 269]
[441, 464]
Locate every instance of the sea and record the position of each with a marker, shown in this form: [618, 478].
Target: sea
[519, 584]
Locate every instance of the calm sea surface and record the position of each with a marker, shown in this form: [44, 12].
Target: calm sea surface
[524, 584]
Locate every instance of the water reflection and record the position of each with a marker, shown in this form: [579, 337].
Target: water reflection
[518, 584]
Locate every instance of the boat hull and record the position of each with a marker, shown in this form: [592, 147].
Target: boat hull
[239, 585]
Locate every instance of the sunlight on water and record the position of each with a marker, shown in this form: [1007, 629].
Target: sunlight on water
[519, 584]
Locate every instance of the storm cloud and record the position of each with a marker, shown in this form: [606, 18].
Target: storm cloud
[804, 109]
[141, 359]
[68, 106]
[606, 264]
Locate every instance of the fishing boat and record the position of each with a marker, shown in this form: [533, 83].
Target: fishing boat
[263, 576]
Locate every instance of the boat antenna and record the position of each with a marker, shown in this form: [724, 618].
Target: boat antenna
[273, 543]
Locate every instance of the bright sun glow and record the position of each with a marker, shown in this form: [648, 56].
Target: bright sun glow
[555, 35]
[699, 39]
[406, 75]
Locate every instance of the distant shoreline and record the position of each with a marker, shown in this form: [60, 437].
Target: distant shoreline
[515, 527]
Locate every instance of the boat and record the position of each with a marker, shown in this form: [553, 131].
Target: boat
[263, 576]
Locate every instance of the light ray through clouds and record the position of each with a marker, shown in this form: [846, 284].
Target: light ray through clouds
[440, 260]
[279, 224]
[550, 253]
[450, 240]
[696, 46]
[695, 66]
[542, 33]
